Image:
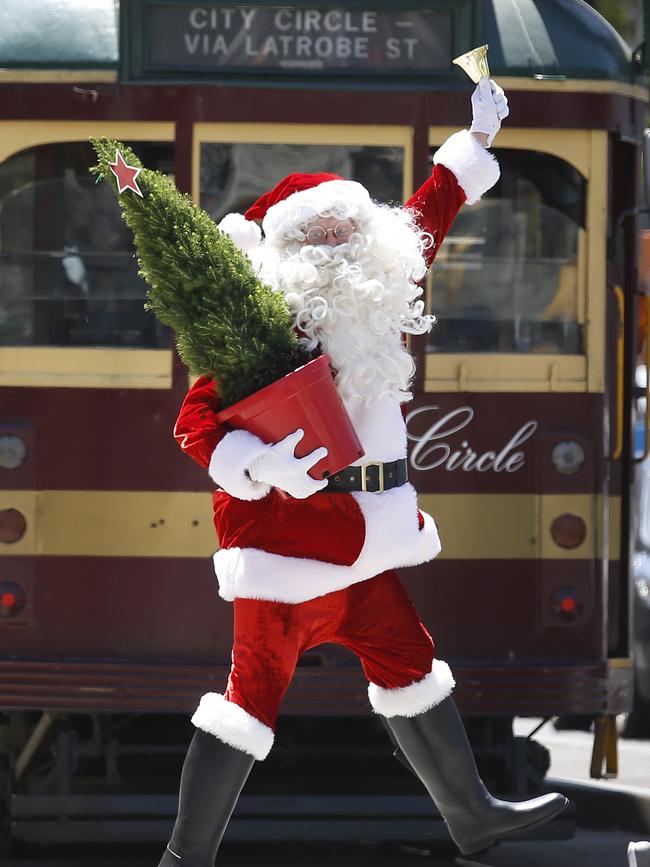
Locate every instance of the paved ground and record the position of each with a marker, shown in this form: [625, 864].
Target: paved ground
[588, 849]
[571, 755]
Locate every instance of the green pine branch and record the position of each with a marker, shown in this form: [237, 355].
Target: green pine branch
[227, 322]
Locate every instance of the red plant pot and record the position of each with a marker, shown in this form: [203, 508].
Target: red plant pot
[306, 398]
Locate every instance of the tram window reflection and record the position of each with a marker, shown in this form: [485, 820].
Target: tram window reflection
[234, 175]
[68, 274]
[506, 278]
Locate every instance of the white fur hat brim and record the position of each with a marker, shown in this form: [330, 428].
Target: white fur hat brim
[344, 199]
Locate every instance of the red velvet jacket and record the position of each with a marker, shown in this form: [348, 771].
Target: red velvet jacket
[435, 205]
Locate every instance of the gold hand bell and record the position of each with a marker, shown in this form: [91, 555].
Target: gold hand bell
[475, 63]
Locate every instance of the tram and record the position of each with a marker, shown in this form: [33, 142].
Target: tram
[520, 429]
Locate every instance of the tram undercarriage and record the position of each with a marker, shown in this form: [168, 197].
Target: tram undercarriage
[92, 778]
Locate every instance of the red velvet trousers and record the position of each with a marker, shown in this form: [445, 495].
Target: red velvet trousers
[375, 619]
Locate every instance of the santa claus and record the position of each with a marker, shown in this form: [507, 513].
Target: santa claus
[308, 561]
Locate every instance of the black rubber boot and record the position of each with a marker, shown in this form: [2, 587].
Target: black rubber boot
[213, 776]
[437, 748]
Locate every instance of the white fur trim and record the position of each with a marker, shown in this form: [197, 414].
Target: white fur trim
[392, 540]
[340, 198]
[475, 168]
[380, 428]
[230, 460]
[245, 233]
[233, 725]
[414, 699]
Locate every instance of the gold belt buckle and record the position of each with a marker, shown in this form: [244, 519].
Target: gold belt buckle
[364, 478]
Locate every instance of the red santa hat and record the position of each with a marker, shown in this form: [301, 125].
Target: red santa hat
[295, 201]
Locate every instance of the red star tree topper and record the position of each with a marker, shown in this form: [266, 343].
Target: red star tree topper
[126, 175]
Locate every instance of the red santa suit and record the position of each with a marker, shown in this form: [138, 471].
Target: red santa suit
[306, 571]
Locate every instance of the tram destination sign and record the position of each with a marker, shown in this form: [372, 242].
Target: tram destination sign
[204, 40]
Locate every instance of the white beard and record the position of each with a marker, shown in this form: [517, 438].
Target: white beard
[356, 301]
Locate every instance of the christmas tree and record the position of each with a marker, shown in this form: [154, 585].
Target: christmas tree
[228, 323]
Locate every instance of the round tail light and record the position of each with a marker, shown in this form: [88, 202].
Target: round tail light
[12, 599]
[568, 604]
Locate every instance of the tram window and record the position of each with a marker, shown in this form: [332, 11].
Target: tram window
[68, 274]
[506, 277]
[233, 176]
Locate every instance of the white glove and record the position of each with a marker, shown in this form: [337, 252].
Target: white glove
[279, 468]
[489, 108]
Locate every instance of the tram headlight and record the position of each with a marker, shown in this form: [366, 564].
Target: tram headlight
[568, 531]
[13, 452]
[568, 457]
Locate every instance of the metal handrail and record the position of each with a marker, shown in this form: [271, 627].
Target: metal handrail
[620, 370]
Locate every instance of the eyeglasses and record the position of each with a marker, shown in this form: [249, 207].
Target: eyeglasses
[342, 231]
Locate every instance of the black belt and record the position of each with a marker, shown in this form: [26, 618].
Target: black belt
[373, 477]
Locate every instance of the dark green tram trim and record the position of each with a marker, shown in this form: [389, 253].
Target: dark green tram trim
[547, 39]
[558, 40]
[58, 34]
